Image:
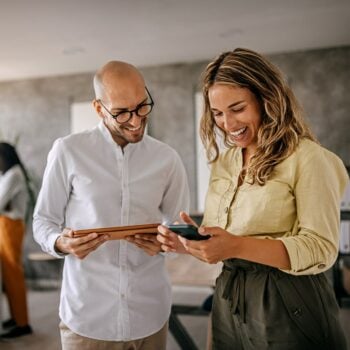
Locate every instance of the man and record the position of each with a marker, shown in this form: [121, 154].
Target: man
[115, 294]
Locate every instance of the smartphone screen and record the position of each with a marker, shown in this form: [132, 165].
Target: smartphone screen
[187, 231]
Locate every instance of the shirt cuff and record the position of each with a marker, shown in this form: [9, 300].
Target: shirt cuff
[51, 242]
[298, 261]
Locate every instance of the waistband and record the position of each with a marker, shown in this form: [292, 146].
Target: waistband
[233, 264]
[234, 290]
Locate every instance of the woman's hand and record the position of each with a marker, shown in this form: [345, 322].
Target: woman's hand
[220, 246]
[169, 240]
[147, 242]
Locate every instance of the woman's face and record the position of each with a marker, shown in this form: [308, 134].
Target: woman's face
[237, 112]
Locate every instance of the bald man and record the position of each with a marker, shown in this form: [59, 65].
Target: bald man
[115, 293]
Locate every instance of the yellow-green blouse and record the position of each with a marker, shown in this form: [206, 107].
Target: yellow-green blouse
[299, 204]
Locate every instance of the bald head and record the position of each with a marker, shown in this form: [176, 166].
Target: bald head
[114, 76]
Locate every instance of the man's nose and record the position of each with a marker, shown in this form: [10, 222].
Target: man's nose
[135, 120]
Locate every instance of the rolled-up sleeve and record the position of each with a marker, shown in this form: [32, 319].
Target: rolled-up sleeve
[320, 180]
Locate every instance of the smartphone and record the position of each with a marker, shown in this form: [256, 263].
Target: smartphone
[187, 231]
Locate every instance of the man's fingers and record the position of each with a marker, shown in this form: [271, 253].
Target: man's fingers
[168, 249]
[79, 248]
[82, 253]
[67, 232]
[147, 244]
[165, 240]
[147, 237]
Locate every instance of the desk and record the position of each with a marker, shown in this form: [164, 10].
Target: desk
[185, 270]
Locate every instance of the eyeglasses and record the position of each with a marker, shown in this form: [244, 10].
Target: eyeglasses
[142, 111]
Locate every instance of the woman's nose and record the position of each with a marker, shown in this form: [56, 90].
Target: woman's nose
[229, 122]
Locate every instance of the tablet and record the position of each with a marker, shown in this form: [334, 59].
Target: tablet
[119, 232]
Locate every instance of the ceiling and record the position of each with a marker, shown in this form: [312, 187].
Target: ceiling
[54, 37]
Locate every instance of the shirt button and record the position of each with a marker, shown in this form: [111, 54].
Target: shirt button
[226, 210]
[321, 266]
[122, 295]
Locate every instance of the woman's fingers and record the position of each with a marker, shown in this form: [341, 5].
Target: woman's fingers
[187, 219]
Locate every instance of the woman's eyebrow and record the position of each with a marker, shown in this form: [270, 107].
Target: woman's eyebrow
[235, 104]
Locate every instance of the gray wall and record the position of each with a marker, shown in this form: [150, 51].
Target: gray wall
[38, 110]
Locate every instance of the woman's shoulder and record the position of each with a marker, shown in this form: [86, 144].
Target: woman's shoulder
[306, 146]
[320, 160]
[14, 174]
[15, 171]
[312, 151]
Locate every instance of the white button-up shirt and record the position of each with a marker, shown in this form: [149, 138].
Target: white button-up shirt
[117, 292]
[13, 191]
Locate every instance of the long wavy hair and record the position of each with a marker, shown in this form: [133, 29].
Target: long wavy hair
[282, 121]
[9, 158]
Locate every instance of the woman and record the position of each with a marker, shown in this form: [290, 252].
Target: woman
[14, 188]
[272, 211]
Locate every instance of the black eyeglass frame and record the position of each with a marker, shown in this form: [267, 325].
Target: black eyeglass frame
[131, 112]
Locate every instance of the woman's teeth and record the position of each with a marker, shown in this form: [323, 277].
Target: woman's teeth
[238, 132]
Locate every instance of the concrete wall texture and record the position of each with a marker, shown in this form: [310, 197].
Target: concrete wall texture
[37, 111]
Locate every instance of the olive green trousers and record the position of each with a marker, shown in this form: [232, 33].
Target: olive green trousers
[259, 307]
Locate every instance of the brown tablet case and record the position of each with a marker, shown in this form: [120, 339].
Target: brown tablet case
[120, 232]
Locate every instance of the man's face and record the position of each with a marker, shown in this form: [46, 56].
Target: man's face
[121, 98]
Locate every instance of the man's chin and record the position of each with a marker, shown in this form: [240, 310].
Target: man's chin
[135, 138]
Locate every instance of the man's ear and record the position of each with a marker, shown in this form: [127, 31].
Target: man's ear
[97, 107]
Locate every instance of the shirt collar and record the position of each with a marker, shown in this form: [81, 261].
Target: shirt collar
[108, 137]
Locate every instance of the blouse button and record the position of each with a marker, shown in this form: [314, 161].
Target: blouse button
[297, 312]
[226, 210]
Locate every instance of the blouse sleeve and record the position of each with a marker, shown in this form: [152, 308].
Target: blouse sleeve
[320, 181]
[10, 185]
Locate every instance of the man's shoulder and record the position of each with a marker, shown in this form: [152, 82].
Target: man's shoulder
[74, 145]
[155, 145]
[77, 139]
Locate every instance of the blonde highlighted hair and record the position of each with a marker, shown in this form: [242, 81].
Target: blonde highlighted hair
[282, 121]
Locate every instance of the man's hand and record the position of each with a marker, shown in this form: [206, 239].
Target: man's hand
[147, 242]
[78, 246]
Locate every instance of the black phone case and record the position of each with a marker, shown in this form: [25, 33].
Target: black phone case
[188, 231]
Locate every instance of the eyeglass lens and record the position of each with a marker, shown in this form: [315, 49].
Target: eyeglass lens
[141, 111]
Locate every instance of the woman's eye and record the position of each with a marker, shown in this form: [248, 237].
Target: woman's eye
[237, 110]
